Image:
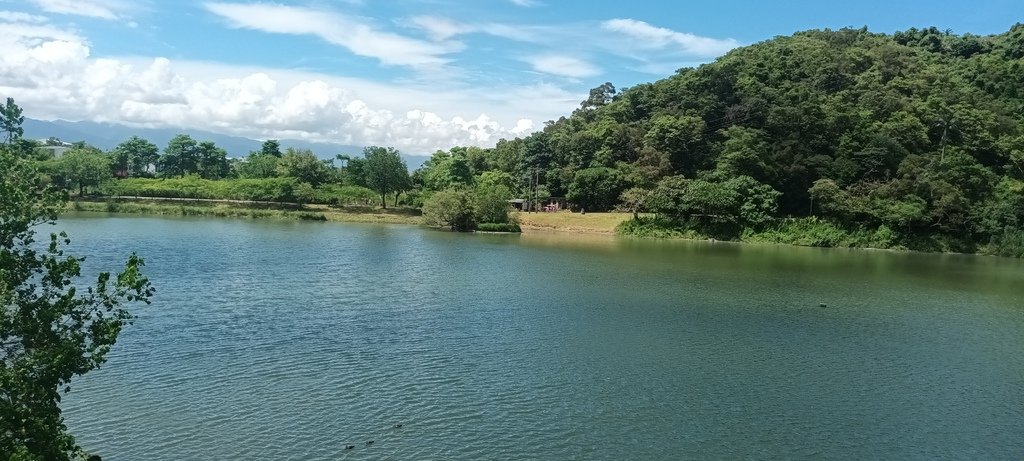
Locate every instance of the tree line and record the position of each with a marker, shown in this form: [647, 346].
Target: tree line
[825, 137]
[135, 164]
[187, 168]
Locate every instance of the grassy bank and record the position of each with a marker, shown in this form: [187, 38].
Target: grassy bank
[816, 232]
[812, 232]
[250, 211]
[564, 221]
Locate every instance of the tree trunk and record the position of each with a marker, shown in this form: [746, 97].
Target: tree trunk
[397, 194]
[383, 201]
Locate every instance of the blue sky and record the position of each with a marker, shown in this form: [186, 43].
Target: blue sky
[416, 74]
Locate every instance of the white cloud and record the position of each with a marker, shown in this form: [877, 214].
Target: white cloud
[52, 74]
[101, 9]
[651, 37]
[565, 66]
[439, 28]
[657, 50]
[16, 16]
[356, 35]
[525, 2]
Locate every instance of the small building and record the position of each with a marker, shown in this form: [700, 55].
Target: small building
[555, 204]
[518, 203]
[55, 151]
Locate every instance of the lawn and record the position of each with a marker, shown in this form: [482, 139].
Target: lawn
[600, 223]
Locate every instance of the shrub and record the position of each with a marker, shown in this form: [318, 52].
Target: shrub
[451, 208]
[655, 227]
[1009, 243]
[498, 227]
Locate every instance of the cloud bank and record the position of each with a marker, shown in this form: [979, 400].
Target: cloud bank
[51, 74]
[426, 94]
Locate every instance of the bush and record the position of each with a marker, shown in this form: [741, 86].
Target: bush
[338, 195]
[811, 232]
[264, 190]
[451, 208]
[655, 227]
[1009, 243]
[491, 203]
[498, 227]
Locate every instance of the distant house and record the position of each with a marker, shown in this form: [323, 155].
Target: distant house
[556, 204]
[55, 151]
[552, 204]
[517, 203]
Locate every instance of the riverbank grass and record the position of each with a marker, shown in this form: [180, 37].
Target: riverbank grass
[233, 210]
[565, 221]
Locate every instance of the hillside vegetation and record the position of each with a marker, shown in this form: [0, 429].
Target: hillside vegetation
[825, 138]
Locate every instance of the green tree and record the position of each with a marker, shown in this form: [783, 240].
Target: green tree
[634, 200]
[11, 120]
[599, 96]
[211, 161]
[506, 156]
[681, 137]
[133, 157]
[271, 147]
[303, 165]
[451, 208]
[403, 184]
[596, 189]
[385, 171]
[496, 178]
[743, 153]
[490, 203]
[355, 172]
[304, 193]
[712, 202]
[84, 167]
[181, 157]
[257, 166]
[446, 170]
[51, 327]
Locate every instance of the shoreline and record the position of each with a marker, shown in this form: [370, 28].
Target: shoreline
[563, 223]
[241, 209]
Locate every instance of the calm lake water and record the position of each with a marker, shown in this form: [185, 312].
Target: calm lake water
[291, 340]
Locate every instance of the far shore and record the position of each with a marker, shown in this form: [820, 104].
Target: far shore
[562, 221]
[538, 223]
[244, 209]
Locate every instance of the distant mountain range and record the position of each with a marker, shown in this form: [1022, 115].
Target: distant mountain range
[108, 135]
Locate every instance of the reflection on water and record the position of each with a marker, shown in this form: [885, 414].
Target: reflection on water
[279, 340]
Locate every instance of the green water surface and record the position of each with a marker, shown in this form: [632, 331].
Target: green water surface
[285, 340]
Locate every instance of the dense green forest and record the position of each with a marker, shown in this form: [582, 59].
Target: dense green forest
[845, 137]
[828, 138]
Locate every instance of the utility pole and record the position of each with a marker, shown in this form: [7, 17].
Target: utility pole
[536, 183]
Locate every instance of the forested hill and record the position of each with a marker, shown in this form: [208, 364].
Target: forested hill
[919, 132]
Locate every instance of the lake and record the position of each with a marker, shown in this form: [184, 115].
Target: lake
[291, 340]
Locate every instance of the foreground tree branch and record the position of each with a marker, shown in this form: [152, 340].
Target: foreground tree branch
[51, 328]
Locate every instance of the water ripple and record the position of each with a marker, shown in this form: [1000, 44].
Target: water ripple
[295, 340]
